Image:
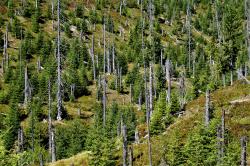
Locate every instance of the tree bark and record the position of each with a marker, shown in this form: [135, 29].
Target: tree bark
[131, 156]
[243, 151]
[104, 102]
[207, 108]
[27, 90]
[125, 145]
[59, 81]
[150, 90]
[168, 79]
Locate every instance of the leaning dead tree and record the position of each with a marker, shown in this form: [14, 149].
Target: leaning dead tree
[168, 79]
[125, 144]
[207, 108]
[243, 141]
[59, 79]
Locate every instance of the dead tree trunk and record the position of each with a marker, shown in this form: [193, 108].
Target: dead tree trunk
[219, 143]
[137, 139]
[104, 102]
[104, 48]
[151, 17]
[150, 90]
[41, 159]
[93, 57]
[72, 91]
[140, 100]
[108, 60]
[182, 91]
[27, 90]
[125, 144]
[131, 93]
[53, 146]
[52, 13]
[20, 140]
[168, 78]
[207, 108]
[149, 141]
[222, 132]
[131, 156]
[243, 151]
[59, 81]
[113, 58]
[224, 79]
[38, 65]
[50, 121]
[189, 35]
[120, 76]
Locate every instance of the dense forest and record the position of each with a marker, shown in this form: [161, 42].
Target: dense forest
[124, 82]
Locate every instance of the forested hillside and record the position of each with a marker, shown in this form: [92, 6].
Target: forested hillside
[129, 82]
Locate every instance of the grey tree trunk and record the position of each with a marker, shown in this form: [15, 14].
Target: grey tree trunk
[161, 62]
[219, 158]
[72, 91]
[108, 60]
[131, 93]
[137, 139]
[140, 100]
[247, 14]
[224, 79]
[150, 90]
[151, 17]
[38, 65]
[121, 3]
[41, 159]
[104, 102]
[149, 141]
[168, 78]
[207, 108]
[120, 76]
[20, 139]
[182, 90]
[231, 77]
[59, 81]
[52, 14]
[125, 145]
[222, 132]
[27, 89]
[53, 150]
[50, 121]
[104, 48]
[113, 58]
[131, 156]
[243, 151]
[189, 35]
[93, 57]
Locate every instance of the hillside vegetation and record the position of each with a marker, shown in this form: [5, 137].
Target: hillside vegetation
[130, 82]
